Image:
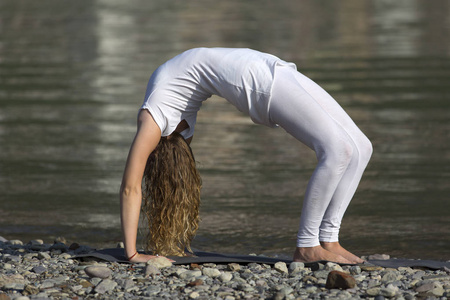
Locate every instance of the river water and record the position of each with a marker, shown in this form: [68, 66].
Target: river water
[73, 74]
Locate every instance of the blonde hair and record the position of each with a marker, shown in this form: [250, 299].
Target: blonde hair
[171, 196]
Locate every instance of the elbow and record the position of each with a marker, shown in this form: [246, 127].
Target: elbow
[127, 190]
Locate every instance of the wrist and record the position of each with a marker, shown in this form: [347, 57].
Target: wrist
[132, 256]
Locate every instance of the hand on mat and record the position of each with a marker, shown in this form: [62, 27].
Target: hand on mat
[142, 258]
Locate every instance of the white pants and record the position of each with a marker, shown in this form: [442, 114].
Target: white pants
[313, 117]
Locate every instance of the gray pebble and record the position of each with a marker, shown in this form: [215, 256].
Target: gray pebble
[126, 284]
[389, 291]
[295, 267]
[418, 275]
[389, 276]
[211, 272]
[95, 280]
[151, 270]
[311, 289]
[286, 290]
[225, 277]
[247, 274]
[39, 269]
[98, 271]
[14, 286]
[321, 274]
[44, 255]
[12, 258]
[373, 291]
[105, 286]
[355, 270]
[190, 274]
[152, 290]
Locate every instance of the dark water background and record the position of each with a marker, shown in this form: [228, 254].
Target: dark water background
[73, 74]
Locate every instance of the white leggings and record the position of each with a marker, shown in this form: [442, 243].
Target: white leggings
[313, 117]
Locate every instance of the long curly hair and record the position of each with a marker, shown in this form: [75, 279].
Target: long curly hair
[171, 197]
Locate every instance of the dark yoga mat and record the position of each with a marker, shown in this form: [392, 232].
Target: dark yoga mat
[117, 255]
[413, 263]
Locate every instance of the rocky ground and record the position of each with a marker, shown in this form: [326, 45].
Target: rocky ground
[48, 271]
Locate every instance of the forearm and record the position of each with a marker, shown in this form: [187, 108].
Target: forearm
[130, 203]
[145, 141]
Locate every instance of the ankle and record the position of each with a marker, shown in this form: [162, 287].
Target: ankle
[330, 245]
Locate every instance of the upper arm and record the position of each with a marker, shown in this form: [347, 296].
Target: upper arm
[146, 139]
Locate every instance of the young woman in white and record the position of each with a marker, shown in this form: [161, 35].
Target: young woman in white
[273, 93]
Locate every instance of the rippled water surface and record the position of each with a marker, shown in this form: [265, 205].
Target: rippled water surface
[73, 74]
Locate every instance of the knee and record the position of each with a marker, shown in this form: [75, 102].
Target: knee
[365, 149]
[337, 156]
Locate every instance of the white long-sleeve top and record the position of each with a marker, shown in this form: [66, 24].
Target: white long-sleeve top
[244, 77]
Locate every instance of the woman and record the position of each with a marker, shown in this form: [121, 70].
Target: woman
[272, 93]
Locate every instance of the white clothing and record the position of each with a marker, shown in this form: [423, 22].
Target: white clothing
[312, 116]
[177, 88]
[273, 93]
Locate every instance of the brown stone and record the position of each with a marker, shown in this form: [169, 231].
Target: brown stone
[31, 289]
[84, 283]
[196, 282]
[195, 266]
[4, 297]
[370, 268]
[309, 278]
[234, 267]
[340, 280]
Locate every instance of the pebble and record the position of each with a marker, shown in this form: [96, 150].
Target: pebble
[355, 270]
[44, 255]
[151, 270]
[160, 262]
[281, 267]
[389, 291]
[234, 267]
[389, 276]
[379, 257]
[333, 267]
[370, 268]
[105, 286]
[190, 274]
[15, 242]
[37, 270]
[225, 277]
[295, 267]
[98, 271]
[211, 272]
[340, 280]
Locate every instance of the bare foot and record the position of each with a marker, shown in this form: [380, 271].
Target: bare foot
[336, 248]
[317, 253]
